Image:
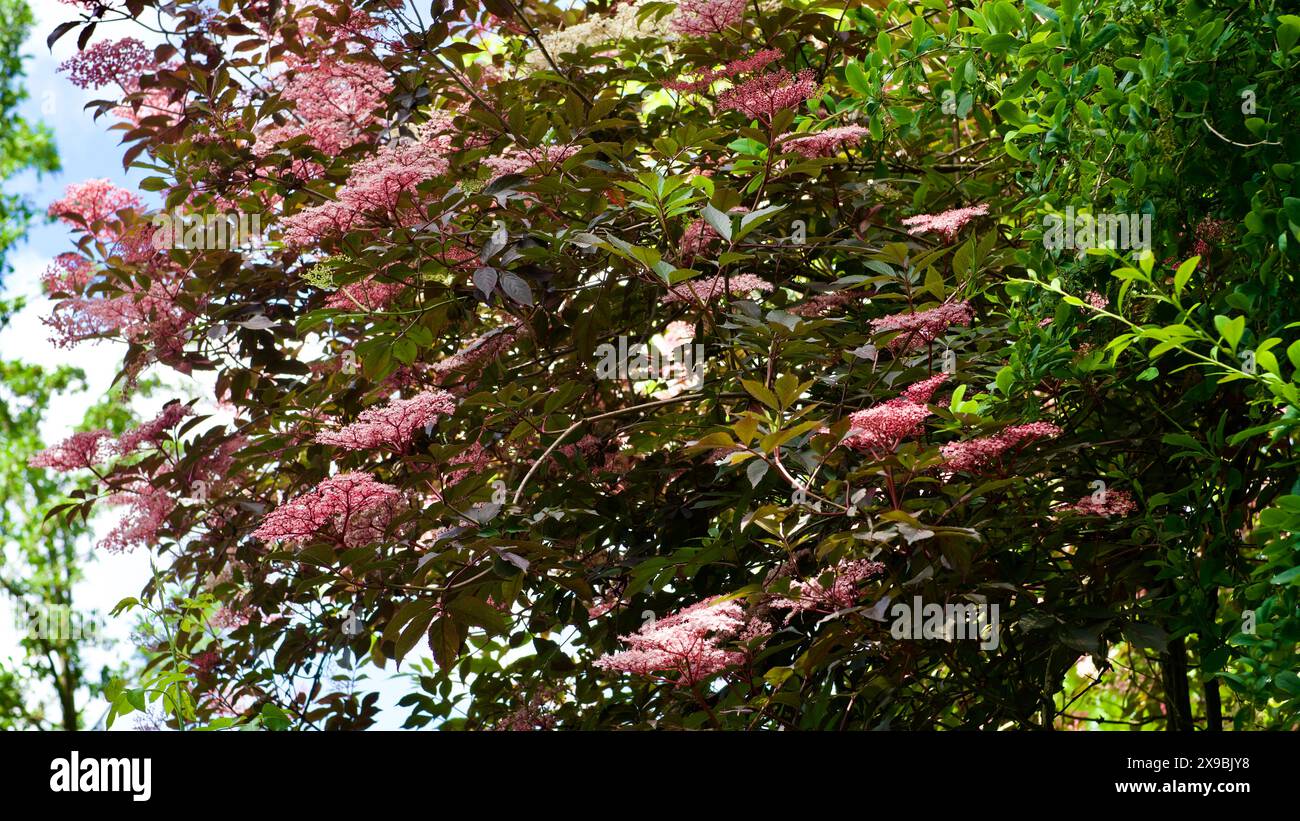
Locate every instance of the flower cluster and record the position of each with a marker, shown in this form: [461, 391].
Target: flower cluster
[153, 431]
[377, 185]
[334, 101]
[844, 591]
[351, 508]
[368, 295]
[1107, 503]
[392, 426]
[761, 97]
[703, 18]
[472, 461]
[946, 224]
[920, 328]
[77, 452]
[110, 61]
[686, 643]
[622, 24]
[519, 160]
[979, 454]
[475, 354]
[92, 201]
[824, 143]
[880, 429]
[705, 289]
[708, 77]
[822, 304]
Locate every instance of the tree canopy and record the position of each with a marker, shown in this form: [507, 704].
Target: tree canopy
[644, 361]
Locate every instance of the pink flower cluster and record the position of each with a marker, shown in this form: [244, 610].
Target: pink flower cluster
[392, 426]
[822, 304]
[979, 454]
[376, 186]
[705, 289]
[812, 595]
[708, 77]
[78, 451]
[519, 160]
[760, 98]
[90, 448]
[334, 101]
[702, 18]
[882, 428]
[1107, 503]
[154, 431]
[108, 61]
[148, 507]
[92, 201]
[477, 351]
[920, 328]
[472, 461]
[946, 224]
[824, 143]
[686, 643]
[351, 508]
[68, 275]
[368, 294]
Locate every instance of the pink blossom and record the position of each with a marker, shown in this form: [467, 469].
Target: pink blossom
[69, 274]
[705, 289]
[473, 460]
[686, 642]
[378, 185]
[978, 454]
[882, 428]
[822, 304]
[108, 61]
[588, 446]
[92, 201]
[1096, 300]
[392, 426]
[368, 294]
[519, 160]
[697, 238]
[824, 143]
[920, 328]
[80, 450]
[154, 431]
[482, 348]
[812, 595]
[946, 224]
[677, 334]
[760, 98]
[708, 77]
[148, 507]
[351, 508]
[1111, 503]
[702, 18]
[920, 392]
[334, 101]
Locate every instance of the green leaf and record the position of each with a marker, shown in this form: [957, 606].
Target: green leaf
[761, 392]
[1184, 273]
[719, 221]
[1230, 329]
